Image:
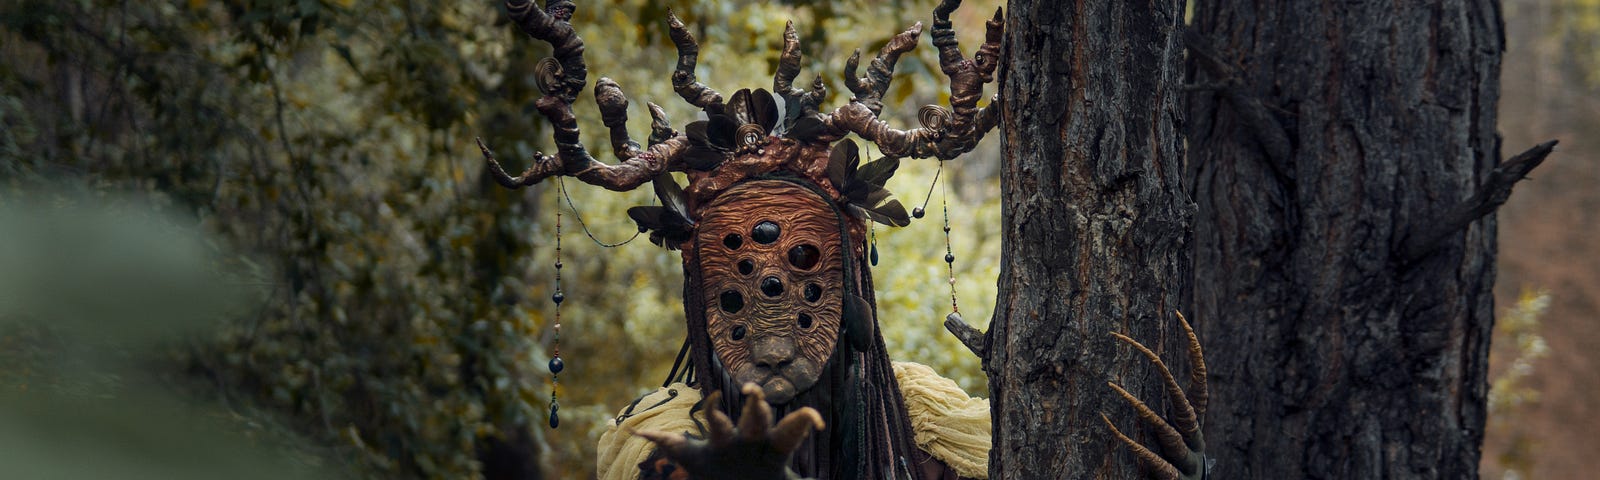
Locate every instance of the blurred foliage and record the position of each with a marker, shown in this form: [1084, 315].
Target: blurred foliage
[1571, 32]
[92, 286]
[398, 320]
[1516, 346]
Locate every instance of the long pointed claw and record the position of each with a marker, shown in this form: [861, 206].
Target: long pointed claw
[719, 428]
[1183, 415]
[1163, 470]
[1172, 447]
[1199, 396]
[757, 416]
[676, 444]
[795, 427]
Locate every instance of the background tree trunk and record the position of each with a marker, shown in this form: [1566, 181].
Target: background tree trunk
[1095, 229]
[1335, 352]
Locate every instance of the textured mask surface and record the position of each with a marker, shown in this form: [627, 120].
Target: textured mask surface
[772, 268]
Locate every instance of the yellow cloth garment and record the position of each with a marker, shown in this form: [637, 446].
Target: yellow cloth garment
[947, 423]
[665, 410]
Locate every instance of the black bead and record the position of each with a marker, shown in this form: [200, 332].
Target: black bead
[765, 232]
[948, 258]
[558, 265]
[917, 212]
[746, 266]
[874, 255]
[813, 292]
[555, 420]
[556, 365]
[558, 297]
[946, 229]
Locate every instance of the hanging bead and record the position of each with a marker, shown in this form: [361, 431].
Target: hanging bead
[558, 297]
[918, 212]
[555, 418]
[874, 254]
[556, 365]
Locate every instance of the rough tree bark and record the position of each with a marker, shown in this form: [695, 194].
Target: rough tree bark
[1339, 152]
[1095, 231]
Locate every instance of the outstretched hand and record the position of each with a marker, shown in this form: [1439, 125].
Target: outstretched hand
[1182, 448]
[756, 449]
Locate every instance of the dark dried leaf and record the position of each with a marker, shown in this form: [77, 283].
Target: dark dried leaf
[842, 162]
[878, 172]
[738, 107]
[764, 109]
[720, 132]
[807, 128]
[671, 194]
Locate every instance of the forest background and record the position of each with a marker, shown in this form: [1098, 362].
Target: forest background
[256, 235]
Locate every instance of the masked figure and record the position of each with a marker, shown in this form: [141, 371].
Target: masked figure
[778, 297]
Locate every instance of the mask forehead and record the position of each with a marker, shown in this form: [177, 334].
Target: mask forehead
[772, 267]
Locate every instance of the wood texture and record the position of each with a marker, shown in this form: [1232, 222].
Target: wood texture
[1094, 231]
[1332, 355]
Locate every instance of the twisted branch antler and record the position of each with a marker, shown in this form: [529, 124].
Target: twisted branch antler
[560, 79]
[943, 134]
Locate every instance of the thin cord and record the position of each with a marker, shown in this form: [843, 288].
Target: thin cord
[936, 174]
[949, 255]
[585, 226]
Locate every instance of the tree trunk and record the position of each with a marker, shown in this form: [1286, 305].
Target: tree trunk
[1343, 346]
[1095, 231]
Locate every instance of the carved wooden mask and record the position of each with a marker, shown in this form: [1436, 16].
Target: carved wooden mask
[771, 257]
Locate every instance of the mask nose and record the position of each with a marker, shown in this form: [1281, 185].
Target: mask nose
[773, 353]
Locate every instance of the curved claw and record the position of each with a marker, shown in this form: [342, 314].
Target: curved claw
[1180, 440]
[757, 416]
[1162, 469]
[1183, 415]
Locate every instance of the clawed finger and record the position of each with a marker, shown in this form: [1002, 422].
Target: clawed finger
[1172, 446]
[675, 444]
[794, 428]
[719, 428]
[757, 416]
[1161, 469]
[1183, 415]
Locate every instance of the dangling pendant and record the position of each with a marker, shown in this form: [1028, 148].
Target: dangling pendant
[556, 365]
[873, 254]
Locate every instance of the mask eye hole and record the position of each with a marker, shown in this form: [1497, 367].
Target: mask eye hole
[813, 292]
[746, 267]
[738, 332]
[733, 241]
[805, 321]
[771, 286]
[804, 257]
[732, 301]
[765, 232]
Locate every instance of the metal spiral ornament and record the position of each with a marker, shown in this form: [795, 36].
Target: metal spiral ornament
[547, 74]
[934, 117]
[750, 137]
